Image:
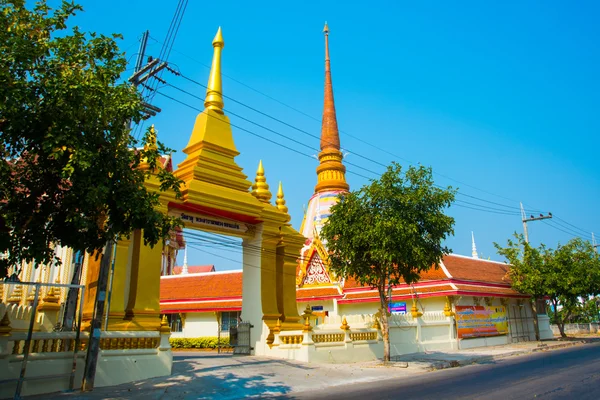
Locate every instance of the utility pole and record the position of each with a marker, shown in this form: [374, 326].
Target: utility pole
[141, 75]
[536, 304]
[531, 218]
[594, 245]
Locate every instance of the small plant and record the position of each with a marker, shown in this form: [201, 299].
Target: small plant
[205, 342]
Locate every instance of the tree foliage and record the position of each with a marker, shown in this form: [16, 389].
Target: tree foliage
[565, 275]
[68, 171]
[389, 231]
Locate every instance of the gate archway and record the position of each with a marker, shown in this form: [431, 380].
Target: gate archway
[217, 197]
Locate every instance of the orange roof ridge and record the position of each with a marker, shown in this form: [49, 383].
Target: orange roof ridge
[234, 271]
[477, 259]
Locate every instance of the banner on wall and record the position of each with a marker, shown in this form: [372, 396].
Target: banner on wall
[481, 321]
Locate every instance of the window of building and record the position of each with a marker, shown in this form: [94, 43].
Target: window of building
[175, 322]
[229, 319]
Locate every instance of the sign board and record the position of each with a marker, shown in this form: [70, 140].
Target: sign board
[192, 219]
[481, 321]
[317, 308]
[398, 308]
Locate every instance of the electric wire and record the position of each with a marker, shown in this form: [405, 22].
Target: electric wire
[559, 229]
[482, 207]
[342, 131]
[313, 136]
[275, 132]
[580, 229]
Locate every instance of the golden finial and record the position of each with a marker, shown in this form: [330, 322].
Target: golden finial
[376, 323]
[51, 296]
[414, 311]
[152, 138]
[307, 311]
[448, 308]
[307, 326]
[5, 327]
[345, 325]
[281, 201]
[164, 325]
[15, 296]
[214, 90]
[277, 327]
[260, 188]
[326, 29]
[218, 40]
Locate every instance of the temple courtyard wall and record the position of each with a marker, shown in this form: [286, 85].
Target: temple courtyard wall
[326, 340]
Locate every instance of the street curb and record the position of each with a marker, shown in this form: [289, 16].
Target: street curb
[481, 359]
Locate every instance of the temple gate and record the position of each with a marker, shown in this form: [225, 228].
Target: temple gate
[218, 198]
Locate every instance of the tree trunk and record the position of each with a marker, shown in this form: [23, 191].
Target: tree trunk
[561, 328]
[385, 330]
[536, 326]
[385, 327]
[560, 322]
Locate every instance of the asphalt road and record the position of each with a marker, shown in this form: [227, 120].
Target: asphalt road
[572, 373]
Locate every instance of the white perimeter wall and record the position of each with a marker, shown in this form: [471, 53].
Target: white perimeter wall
[199, 325]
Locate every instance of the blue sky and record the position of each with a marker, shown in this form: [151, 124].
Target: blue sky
[501, 97]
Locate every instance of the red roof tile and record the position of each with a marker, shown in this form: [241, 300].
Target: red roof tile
[473, 269]
[430, 275]
[235, 305]
[489, 290]
[399, 292]
[304, 294]
[197, 286]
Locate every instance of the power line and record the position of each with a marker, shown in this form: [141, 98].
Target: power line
[277, 133]
[482, 208]
[458, 202]
[313, 136]
[342, 131]
[560, 229]
[585, 231]
[252, 133]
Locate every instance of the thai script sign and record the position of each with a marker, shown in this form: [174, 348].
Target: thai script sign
[481, 321]
[398, 308]
[204, 221]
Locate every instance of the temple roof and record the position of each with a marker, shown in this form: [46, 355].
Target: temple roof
[457, 275]
[463, 267]
[202, 286]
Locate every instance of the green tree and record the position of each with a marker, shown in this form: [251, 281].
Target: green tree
[565, 275]
[68, 169]
[389, 232]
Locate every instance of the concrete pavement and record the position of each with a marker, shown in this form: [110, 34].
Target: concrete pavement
[199, 375]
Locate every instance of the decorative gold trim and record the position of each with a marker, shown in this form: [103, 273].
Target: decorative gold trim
[363, 336]
[292, 339]
[345, 325]
[327, 337]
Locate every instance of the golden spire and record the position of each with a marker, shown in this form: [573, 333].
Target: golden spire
[331, 173]
[150, 145]
[260, 188]
[214, 90]
[152, 138]
[281, 201]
